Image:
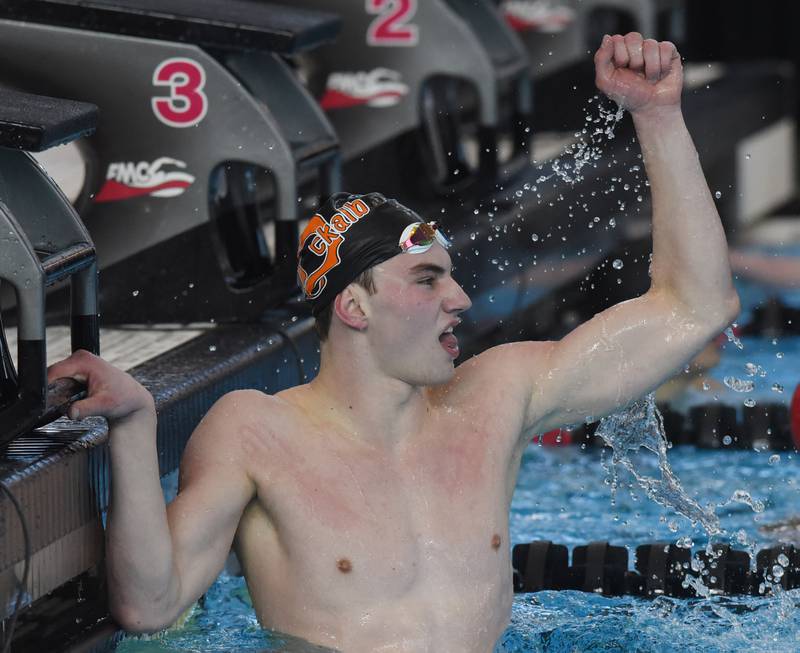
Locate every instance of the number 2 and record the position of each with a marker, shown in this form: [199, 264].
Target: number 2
[390, 27]
[187, 104]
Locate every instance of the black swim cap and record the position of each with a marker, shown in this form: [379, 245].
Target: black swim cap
[349, 234]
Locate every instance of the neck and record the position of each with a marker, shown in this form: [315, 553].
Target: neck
[375, 408]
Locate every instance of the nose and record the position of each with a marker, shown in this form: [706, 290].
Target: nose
[456, 300]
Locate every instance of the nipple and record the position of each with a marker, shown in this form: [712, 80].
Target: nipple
[344, 565]
[496, 540]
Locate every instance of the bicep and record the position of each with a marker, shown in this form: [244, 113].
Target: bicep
[214, 490]
[612, 359]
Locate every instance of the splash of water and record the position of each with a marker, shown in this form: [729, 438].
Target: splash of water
[597, 131]
[732, 337]
[739, 385]
[640, 426]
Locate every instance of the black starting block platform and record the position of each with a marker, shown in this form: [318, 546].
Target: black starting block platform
[35, 122]
[230, 25]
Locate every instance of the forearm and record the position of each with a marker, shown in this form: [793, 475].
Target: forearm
[690, 255]
[143, 586]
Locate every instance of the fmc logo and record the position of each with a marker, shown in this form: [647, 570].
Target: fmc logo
[380, 87]
[127, 179]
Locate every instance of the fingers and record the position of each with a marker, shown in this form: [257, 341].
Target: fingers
[632, 43]
[652, 60]
[621, 55]
[669, 56]
[95, 404]
[77, 366]
[603, 58]
[111, 392]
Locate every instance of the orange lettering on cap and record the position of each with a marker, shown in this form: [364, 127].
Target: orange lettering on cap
[327, 239]
[359, 207]
[340, 222]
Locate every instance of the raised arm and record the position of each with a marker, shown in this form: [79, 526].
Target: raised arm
[160, 559]
[631, 348]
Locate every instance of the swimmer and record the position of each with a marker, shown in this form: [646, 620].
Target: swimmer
[369, 508]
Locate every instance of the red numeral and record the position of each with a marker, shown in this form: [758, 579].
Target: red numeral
[187, 104]
[391, 27]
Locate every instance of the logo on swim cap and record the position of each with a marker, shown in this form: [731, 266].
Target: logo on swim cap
[326, 237]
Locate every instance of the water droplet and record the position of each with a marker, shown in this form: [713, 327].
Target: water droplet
[135, 293]
[718, 194]
[733, 338]
[534, 237]
[777, 572]
[774, 459]
[684, 542]
[777, 387]
[617, 264]
[212, 348]
[738, 385]
[783, 561]
[779, 354]
[612, 222]
[749, 402]
[472, 236]
[752, 370]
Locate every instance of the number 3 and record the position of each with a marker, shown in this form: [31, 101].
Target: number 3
[187, 104]
[390, 27]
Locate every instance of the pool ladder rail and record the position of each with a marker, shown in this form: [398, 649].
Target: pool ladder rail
[43, 243]
[661, 569]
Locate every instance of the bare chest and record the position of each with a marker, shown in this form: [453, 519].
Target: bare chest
[360, 524]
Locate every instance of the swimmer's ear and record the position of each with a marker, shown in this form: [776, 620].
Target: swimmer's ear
[347, 307]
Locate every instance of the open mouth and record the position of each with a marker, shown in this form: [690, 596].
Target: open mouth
[449, 342]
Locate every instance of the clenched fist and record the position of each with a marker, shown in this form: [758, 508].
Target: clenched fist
[639, 74]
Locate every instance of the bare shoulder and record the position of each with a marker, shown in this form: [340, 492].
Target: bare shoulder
[232, 423]
[505, 372]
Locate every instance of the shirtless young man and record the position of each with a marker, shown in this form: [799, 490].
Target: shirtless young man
[369, 508]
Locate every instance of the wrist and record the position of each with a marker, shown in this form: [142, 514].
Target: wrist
[142, 417]
[657, 115]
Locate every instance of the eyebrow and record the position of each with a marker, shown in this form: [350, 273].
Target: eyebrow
[430, 268]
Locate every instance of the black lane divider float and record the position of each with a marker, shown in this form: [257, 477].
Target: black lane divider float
[771, 319]
[661, 569]
[710, 426]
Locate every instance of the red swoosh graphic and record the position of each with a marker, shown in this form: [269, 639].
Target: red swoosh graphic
[521, 25]
[338, 100]
[113, 191]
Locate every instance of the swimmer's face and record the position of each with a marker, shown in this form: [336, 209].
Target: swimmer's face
[416, 300]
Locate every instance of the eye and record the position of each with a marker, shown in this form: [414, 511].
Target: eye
[428, 281]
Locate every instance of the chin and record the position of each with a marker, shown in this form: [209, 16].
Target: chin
[441, 375]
